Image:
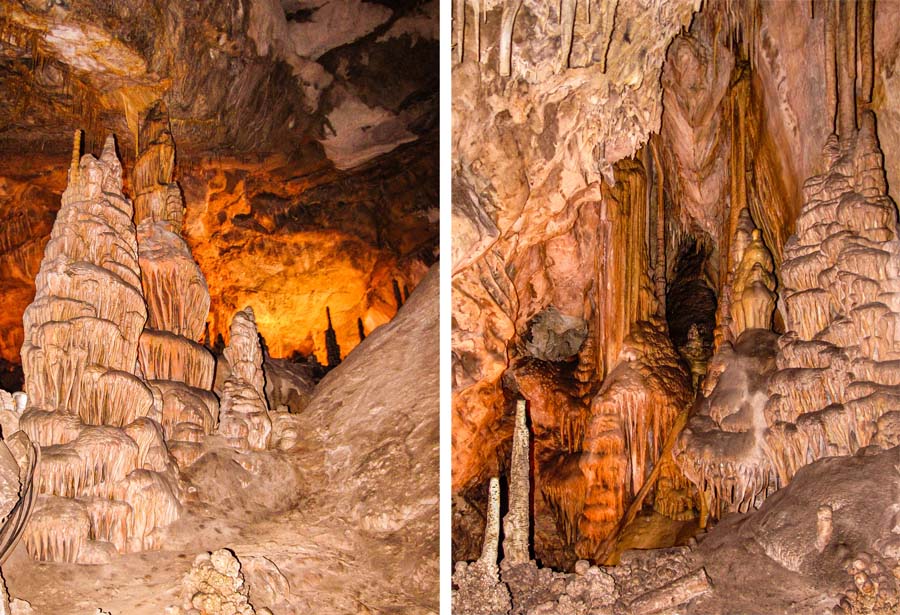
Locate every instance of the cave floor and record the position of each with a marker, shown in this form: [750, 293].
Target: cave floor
[330, 567]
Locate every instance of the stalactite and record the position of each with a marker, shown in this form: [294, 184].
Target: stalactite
[567, 23]
[516, 523]
[460, 19]
[507, 22]
[866, 20]
[660, 264]
[830, 21]
[608, 10]
[480, 15]
[846, 67]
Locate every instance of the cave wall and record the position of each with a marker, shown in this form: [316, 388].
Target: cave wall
[523, 171]
[30, 191]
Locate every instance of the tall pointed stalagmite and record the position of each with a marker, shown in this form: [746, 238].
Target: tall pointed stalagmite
[488, 559]
[106, 480]
[332, 349]
[517, 521]
[244, 415]
[177, 366]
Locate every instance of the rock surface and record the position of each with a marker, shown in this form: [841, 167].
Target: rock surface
[345, 521]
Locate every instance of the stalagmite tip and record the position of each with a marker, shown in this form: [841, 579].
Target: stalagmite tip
[76, 155]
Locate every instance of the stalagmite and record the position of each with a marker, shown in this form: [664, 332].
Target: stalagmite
[516, 523]
[80, 360]
[244, 414]
[333, 350]
[488, 559]
[179, 369]
[753, 288]
[824, 392]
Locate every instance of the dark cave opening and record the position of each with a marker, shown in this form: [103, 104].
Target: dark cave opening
[691, 303]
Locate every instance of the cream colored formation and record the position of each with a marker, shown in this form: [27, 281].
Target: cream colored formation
[106, 481]
[830, 385]
[120, 391]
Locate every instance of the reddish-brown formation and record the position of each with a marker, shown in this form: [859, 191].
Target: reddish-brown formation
[533, 224]
[106, 480]
[592, 457]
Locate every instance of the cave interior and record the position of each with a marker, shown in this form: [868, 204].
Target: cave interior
[219, 281]
[675, 272]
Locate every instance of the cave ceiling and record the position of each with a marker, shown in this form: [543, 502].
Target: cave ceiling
[305, 131]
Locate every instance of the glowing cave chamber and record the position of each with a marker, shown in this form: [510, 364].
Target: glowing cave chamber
[676, 293]
[219, 274]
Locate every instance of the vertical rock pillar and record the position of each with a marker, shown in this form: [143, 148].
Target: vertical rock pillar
[178, 368]
[517, 520]
[106, 481]
[245, 412]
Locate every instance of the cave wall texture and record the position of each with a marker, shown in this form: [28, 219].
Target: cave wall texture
[622, 174]
[306, 136]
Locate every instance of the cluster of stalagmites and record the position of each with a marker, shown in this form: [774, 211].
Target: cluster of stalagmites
[520, 587]
[106, 480]
[120, 393]
[831, 384]
[215, 585]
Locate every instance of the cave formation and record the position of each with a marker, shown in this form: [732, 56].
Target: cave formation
[675, 269]
[218, 342]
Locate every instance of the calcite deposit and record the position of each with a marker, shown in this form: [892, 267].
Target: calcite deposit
[106, 481]
[245, 418]
[187, 306]
[675, 236]
[216, 586]
[178, 369]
